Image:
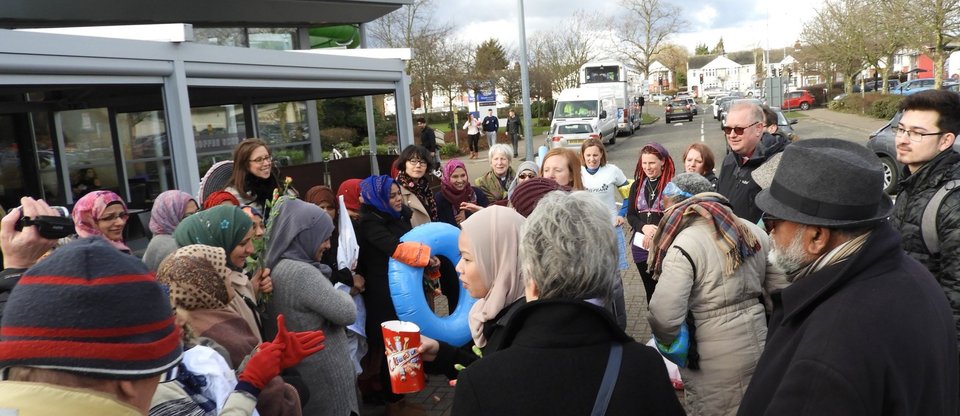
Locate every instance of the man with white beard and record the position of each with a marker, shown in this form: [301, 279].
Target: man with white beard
[862, 329]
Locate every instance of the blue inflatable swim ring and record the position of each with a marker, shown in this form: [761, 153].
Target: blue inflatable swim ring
[406, 287]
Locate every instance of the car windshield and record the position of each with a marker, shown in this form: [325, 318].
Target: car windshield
[574, 128]
[585, 108]
[679, 102]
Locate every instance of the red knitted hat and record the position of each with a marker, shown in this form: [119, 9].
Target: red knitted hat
[525, 198]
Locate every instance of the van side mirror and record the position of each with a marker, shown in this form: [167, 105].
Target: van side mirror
[603, 114]
[793, 121]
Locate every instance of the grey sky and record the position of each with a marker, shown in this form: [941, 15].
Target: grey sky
[743, 24]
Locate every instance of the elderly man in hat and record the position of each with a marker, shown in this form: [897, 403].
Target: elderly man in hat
[863, 329]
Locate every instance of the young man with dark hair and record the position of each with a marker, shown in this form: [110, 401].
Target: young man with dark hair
[428, 139]
[924, 137]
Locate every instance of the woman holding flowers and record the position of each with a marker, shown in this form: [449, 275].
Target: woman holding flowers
[254, 180]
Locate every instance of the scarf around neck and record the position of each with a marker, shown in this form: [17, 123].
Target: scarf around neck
[732, 238]
[450, 192]
[837, 255]
[420, 188]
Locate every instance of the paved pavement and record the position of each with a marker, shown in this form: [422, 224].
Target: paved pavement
[863, 124]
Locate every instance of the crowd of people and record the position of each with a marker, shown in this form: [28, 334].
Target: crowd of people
[789, 284]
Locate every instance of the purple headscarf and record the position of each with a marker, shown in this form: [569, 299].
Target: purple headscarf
[168, 210]
[451, 193]
[89, 208]
[375, 191]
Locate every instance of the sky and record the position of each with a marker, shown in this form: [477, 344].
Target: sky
[743, 24]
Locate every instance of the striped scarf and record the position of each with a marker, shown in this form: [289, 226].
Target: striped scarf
[732, 238]
[838, 254]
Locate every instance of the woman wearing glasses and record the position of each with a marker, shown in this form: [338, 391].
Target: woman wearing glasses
[254, 178]
[412, 166]
[527, 170]
[457, 199]
[604, 181]
[101, 213]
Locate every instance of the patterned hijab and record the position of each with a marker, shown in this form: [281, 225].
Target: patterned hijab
[350, 189]
[89, 208]
[494, 237]
[375, 191]
[168, 211]
[222, 226]
[297, 232]
[450, 192]
[198, 278]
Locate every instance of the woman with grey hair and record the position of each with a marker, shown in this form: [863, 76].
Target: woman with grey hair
[711, 267]
[494, 183]
[564, 334]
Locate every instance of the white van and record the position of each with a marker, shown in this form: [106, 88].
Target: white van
[588, 105]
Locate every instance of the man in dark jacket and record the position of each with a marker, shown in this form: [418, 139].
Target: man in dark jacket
[925, 137]
[428, 139]
[513, 129]
[490, 124]
[749, 146]
[863, 329]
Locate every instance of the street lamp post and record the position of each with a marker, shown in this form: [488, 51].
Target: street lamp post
[525, 85]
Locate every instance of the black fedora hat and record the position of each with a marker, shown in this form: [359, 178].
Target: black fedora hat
[828, 183]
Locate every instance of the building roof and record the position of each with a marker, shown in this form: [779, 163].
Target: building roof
[214, 13]
[699, 61]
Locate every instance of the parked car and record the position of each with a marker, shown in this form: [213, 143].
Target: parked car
[913, 86]
[677, 109]
[797, 99]
[571, 134]
[754, 92]
[713, 92]
[658, 97]
[883, 143]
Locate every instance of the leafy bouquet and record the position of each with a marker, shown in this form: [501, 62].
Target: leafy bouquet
[257, 261]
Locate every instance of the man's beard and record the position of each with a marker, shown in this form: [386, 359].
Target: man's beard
[791, 258]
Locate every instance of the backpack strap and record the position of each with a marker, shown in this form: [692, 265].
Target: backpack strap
[610, 376]
[928, 223]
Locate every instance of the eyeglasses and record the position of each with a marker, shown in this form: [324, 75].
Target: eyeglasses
[261, 160]
[112, 217]
[527, 175]
[737, 130]
[914, 136]
[769, 222]
[417, 162]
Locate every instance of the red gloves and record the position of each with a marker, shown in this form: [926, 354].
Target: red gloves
[412, 254]
[263, 366]
[300, 345]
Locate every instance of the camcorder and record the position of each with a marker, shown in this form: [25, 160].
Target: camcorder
[51, 227]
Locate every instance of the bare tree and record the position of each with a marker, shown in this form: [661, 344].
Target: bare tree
[645, 28]
[412, 27]
[837, 38]
[557, 54]
[886, 34]
[938, 22]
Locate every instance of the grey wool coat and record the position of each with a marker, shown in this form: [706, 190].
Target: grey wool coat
[308, 301]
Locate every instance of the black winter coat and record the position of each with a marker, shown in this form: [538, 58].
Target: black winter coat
[378, 235]
[737, 184]
[872, 335]
[449, 355]
[445, 208]
[915, 191]
[551, 362]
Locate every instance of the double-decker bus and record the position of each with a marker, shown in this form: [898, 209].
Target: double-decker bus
[625, 83]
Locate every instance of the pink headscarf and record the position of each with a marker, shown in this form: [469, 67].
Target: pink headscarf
[494, 237]
[449, 192]
[89, 208]
[168, 210]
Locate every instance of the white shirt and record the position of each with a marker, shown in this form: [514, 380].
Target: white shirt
[604, 185]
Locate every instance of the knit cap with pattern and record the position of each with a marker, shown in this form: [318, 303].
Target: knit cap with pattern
[90, 309]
